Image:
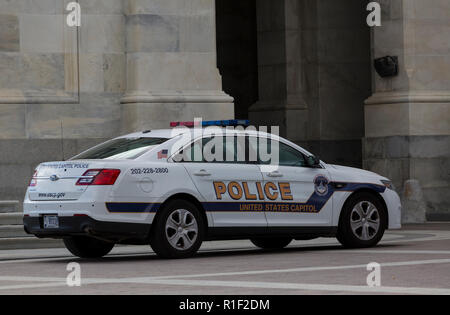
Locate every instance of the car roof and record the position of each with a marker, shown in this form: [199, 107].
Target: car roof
[171, 133]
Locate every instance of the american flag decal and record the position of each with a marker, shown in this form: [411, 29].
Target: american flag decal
[163, 154]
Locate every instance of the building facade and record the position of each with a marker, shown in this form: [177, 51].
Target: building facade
[303, 65]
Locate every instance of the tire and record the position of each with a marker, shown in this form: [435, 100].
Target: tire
[87, 247]
[271, 243]
[363, 222]
[178, 231]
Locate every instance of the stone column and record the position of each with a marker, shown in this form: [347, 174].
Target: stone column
[171, 64]
[407, 119]
[279, 66]
[313, 78]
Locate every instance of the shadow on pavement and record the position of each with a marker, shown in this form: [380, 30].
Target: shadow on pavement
[232, 252]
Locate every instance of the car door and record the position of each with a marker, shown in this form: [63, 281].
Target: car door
[296, 195]
[228, 186]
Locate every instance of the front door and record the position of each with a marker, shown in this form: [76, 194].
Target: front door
[230, 186]
[296, 195]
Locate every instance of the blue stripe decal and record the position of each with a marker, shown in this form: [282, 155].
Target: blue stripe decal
[130, 207]
[314, 204]
[355, 186]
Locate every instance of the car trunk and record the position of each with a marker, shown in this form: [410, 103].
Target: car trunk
[57, 181]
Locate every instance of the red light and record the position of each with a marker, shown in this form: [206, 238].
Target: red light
[103, 177]
[188, 124]
[33, 181]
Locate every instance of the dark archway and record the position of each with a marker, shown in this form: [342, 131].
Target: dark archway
[237, 58]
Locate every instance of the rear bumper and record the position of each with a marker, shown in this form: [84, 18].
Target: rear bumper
[84, 225]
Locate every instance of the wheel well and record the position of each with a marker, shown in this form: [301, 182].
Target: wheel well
[374, 194]
[186, 197]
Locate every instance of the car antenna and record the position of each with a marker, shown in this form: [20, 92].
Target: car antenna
[62, 141]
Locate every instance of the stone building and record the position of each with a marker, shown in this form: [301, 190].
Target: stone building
[305, 65]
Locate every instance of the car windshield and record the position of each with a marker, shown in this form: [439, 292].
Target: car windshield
[120, 149]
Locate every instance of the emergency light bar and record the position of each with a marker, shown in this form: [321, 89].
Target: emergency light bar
[220, 123]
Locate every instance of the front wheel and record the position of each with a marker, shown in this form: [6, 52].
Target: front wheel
[87, 247]
[178, 231]
[363, 222]
[271, 243]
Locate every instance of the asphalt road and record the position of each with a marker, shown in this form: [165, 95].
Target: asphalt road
[415, 260]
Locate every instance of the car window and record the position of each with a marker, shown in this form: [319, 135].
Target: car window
[286, 155]
[218, 149]
[121, 149]
[291, 157]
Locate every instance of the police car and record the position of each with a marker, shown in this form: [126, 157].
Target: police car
[175, 188]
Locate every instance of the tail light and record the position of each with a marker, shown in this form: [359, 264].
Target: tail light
[33, 181]
[103, 177]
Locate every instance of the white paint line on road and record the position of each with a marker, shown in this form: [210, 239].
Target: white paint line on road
[31, 279]
[71, 258]
[32, 286]
[303, 269]
[433, 236]
[180, 279]
[303, 286]
[338, 250]
[250, 284]
[19, 261]
[382, 251]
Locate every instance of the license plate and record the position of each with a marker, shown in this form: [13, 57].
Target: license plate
[51, 222]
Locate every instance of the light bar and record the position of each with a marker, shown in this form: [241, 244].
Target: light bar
[220, 123]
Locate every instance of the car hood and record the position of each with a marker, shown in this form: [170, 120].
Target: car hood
[351, 174]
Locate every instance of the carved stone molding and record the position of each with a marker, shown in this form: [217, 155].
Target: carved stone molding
[70, 93]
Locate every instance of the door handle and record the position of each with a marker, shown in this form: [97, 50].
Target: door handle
[275, 174]
[202, 173]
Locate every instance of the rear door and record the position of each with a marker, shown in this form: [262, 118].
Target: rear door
[230, 186]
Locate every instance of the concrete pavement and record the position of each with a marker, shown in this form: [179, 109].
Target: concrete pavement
[415, 260]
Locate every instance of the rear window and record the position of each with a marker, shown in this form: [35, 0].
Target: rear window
[121, 149]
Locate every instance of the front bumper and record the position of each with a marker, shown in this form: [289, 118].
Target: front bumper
[394, 206]
[84, 225]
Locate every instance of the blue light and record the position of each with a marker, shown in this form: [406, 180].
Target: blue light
[227, 123]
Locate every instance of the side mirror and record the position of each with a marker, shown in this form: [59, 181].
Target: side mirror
[313, 161]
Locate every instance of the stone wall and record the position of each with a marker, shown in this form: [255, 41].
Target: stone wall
[56, 81]
[408, 116]
[172, 64]
[132, 65]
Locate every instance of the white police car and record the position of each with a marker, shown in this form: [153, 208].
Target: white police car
[175, 188]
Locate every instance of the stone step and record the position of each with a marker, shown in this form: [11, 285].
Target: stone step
[29, 243]
[11, 218]
[8, 206]
[10, 231]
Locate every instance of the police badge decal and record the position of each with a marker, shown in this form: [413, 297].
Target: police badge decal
[321, 185]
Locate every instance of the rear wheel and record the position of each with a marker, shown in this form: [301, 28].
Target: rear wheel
[178, 231]
[271, 243]
[363, 222]
[86, 247]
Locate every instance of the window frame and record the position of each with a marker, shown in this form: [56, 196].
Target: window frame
[247, 147]
[181, 151]
[80, 156]
[280, 140]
